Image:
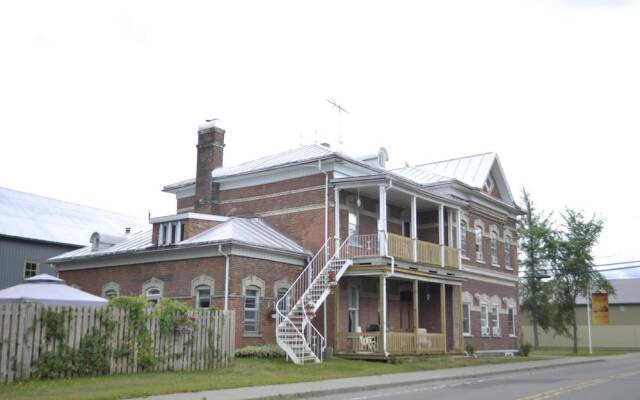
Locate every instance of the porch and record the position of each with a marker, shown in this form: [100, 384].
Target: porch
[378, 316]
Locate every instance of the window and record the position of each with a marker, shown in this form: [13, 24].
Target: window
[494, 248]
[252, 310]
[170, 233]
[507, 252]
[463, 238]
[511, 317]
[354, 308]
[466, 319]
[484, 319]
[495, 320]
[30, 269]
[479, 255]
[110, 293]
[353, 218]
[488, 184]
[203, 296]
[286, 303]
[153, 295]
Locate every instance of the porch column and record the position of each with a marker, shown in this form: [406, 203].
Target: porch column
[443, 316]
[441, 233]
[416, 305]
[382, 220]
[336, 224]
[459, 237]
[383, 312]
[178, 231]
[414, 227]
[456, 303]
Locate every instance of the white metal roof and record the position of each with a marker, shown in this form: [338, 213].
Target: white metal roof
[30, 216]
[472, 170]
[248, 231]
[47, 289]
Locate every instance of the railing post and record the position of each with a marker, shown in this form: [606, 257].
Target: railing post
[414, 228]
[441, 233]
[382, 220]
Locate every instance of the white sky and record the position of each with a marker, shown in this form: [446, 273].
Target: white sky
[99, 101]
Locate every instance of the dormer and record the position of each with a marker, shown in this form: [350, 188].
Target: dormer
[101, 241]
[172, 229]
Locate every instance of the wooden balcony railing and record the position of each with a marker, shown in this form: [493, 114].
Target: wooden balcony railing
[401, 247]
[397, 343]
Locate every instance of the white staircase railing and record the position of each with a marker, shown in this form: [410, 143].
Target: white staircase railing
[295, 332]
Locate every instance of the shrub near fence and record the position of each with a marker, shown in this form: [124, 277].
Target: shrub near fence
[39, 341]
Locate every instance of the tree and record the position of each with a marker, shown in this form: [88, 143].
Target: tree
[573, 269]
[534, 233]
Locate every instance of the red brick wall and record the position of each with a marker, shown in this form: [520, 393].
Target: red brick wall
[177, 276]
[486, 244]
[491, 343]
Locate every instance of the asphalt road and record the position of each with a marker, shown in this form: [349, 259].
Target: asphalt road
[616, 378]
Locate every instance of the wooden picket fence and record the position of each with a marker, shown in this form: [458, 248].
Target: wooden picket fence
[207, 343]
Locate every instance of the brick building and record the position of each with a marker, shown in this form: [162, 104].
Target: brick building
[313, 248]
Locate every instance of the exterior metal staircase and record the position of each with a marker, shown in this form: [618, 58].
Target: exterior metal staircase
[295, 332]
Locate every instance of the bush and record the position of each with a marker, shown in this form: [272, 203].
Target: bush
[525, 348]
[471, 349]
[264, 351]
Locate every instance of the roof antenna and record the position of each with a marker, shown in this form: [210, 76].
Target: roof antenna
[340, 111]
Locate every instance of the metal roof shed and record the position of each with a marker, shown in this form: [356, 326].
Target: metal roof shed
[46, 289]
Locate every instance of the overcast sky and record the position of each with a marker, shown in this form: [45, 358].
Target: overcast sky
[100, 101]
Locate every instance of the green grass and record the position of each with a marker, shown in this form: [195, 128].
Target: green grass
[568, 352]
[244, 372]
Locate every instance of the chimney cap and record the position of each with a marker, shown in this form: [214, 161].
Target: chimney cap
[207, 124]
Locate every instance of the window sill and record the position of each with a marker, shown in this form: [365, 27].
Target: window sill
[252, 335]
[467, 335]
[480, 262]
[508, 268]
[513, 336]
[496, 265]
[465, 258]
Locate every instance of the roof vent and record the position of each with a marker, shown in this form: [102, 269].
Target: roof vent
[327, 145]
[127, 230]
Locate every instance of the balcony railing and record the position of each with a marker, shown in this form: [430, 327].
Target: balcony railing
[402, 248]
[397, 343]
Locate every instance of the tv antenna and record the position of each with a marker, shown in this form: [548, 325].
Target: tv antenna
[340, 111]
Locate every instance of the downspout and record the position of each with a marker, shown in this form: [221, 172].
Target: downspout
[326, 235]
[226, 278]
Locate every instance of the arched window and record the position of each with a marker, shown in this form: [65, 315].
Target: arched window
[494, 248]
[110, 290]
[153, 295]
[252, 310]
[109, 294]
[203, 296]
[479, 253]
[463, 238]
[507, 252]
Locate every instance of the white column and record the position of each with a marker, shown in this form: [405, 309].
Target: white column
[161, 235]
[441, 233]
[382, 220]
[336, 225]
[459, 237]
[383, 312]
[178, 231]
[414, 227]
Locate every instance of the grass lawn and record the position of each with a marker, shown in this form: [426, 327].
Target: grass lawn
[244, 372]
[568, 352]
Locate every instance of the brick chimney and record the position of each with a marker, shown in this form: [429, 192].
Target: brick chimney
[210, 148]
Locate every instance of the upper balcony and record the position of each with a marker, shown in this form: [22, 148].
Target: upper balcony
[384, 218]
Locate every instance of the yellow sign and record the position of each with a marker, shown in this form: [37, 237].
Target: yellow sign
[600, 308]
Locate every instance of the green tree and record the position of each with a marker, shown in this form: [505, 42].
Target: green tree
[573, 270]
[534, 233]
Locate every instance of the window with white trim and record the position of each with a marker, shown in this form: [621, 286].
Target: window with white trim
[507, 252]
[170, 233]
[252, 310]
[495, 320]
[30, 269]
[494, 248]
[466, 319]
[153, 295]
[353, 219]
[511, 318]
[463, 238]
[484, 320]
[479, 253]
[110, 294]
[203, 296]
[354, 308]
